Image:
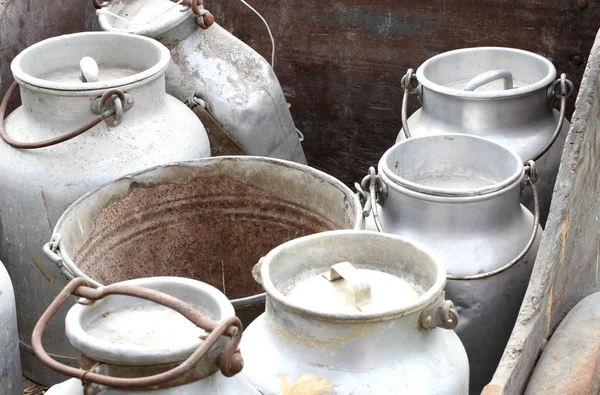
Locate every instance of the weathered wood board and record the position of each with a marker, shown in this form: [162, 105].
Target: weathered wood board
[567, 266]
[340, 62]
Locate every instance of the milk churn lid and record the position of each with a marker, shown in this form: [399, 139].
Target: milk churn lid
[148, 17]
[90, 61]
[128, 331]
[352, 275]
[486, 72]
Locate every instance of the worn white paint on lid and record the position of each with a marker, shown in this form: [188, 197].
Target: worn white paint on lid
[144, 324]
[318, 293]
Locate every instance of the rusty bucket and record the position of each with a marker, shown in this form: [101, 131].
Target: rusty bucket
[209, 219]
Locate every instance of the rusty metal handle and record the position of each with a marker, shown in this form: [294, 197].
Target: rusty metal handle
[230, 361]
[566, 89]
[115, 94]
[489, 76]
[406, 84]
[531, 174]
[204, 18]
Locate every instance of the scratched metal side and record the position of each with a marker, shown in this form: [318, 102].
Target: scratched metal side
[566, 269]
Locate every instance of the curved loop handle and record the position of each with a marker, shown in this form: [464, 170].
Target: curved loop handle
[566, 89]
[230, 361]
[51, 250]
[440, 314]
[377, 191]
[406, 84]
[531, 174]
[360, 287]
[489, 76]
[115, 95]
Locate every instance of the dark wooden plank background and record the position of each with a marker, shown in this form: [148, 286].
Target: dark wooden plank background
[340, 62]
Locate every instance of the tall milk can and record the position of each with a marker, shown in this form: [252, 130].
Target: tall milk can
[354, 312]
[229, 85]
[10, 364]
[160, 335]
[505, 94]
[93, 108]
[209, 219]
[459, 195]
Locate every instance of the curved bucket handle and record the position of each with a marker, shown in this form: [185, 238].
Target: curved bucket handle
[230, 361]
[121, 102]
[378, 191]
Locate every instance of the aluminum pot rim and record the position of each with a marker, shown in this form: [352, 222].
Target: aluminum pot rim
[500, 94]
[70, 265]
[440, 194]
[418, 304]
[153, 30]
[106, 351]
[34, 83]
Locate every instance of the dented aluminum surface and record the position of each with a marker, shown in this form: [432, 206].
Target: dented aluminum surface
[212, 67]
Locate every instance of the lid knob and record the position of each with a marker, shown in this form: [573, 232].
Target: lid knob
[362, 289]
[89, 69]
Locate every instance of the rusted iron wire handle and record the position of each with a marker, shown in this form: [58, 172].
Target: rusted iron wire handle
[531, 180]
[230, 361]
[41, 144]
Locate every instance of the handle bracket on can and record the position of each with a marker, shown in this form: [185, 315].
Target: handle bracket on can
[440, 314]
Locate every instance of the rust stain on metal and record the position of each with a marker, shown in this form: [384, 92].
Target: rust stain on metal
[47, 212]
[42, 271]
[212, 229]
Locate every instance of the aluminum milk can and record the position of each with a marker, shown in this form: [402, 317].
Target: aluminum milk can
[459, 195]
[229, 85]
[505, 94]
[159, 335]
[69, 137]
[354, 312]
[10, 364]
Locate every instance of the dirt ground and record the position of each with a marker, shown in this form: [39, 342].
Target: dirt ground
[30, 388]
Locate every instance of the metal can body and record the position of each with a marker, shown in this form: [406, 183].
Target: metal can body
[38, 185]
[522, 118]
[474, 231]
[212, 68]
[121, 346]
[368, 352]
[10, 364]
